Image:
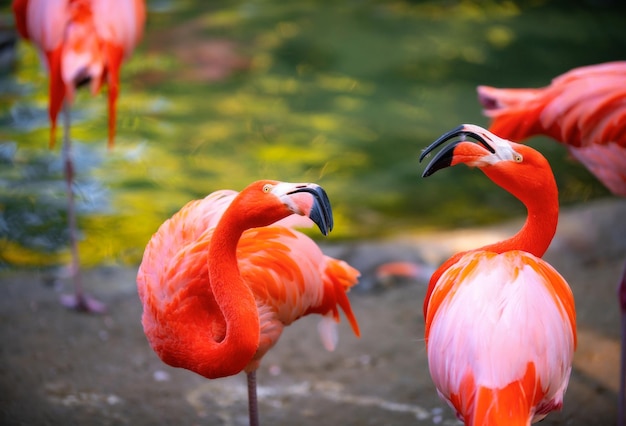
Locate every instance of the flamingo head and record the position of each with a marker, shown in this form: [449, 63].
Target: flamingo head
[265, 202]
[518, 168]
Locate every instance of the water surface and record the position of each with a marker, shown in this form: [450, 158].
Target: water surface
[346, 94]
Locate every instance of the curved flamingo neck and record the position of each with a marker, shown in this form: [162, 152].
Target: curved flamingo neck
[542, 203]
[233, 296]
[534, 237]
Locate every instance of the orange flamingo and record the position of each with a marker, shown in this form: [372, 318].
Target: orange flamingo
[387, 272]
[82, 41]
[500, 321]
[216, 294]
[585, 109]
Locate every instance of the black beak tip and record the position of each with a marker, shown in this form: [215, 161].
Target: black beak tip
[324, 210]
[321, 212]
[442, 160]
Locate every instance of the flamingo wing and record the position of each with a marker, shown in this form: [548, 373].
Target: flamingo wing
[501, 335]
[607, 163]
[584, 109]
[291, 277]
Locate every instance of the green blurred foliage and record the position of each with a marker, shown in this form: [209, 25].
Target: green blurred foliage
[345, 94]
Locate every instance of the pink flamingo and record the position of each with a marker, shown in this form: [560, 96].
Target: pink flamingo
[82, 41]
[221, 278]
[500, 321]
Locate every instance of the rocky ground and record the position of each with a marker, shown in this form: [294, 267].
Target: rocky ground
[59, 367]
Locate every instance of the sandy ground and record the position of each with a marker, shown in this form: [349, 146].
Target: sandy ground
[59, 367]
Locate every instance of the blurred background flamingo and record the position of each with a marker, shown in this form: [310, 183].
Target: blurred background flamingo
[205, 271]
[500, 321]
[82, 42]
[585, 109]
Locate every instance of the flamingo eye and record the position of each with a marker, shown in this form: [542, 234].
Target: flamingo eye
[267, 188]
[518, 158]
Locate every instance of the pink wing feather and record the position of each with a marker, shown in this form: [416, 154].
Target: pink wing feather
[44, 21]
[120, 22]
[584, 109]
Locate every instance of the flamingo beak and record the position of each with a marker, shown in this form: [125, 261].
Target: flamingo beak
[321, 212]
[444, 157]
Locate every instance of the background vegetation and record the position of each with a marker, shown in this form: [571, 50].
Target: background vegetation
[343, 93]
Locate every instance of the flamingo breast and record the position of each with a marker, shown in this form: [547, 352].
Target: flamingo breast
[492, 319]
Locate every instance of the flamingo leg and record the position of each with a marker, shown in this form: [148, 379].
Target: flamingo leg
[253, 408]
[621, 293]
[78, 301]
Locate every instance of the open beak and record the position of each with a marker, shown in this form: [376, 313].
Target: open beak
[321, 212]
[444, 157]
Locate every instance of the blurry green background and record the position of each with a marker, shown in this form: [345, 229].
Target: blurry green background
[342, 93]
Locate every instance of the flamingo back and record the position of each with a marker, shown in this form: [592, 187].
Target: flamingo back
[501, 335]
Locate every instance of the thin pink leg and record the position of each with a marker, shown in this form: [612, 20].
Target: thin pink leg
[77, 301]
[253, 408]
